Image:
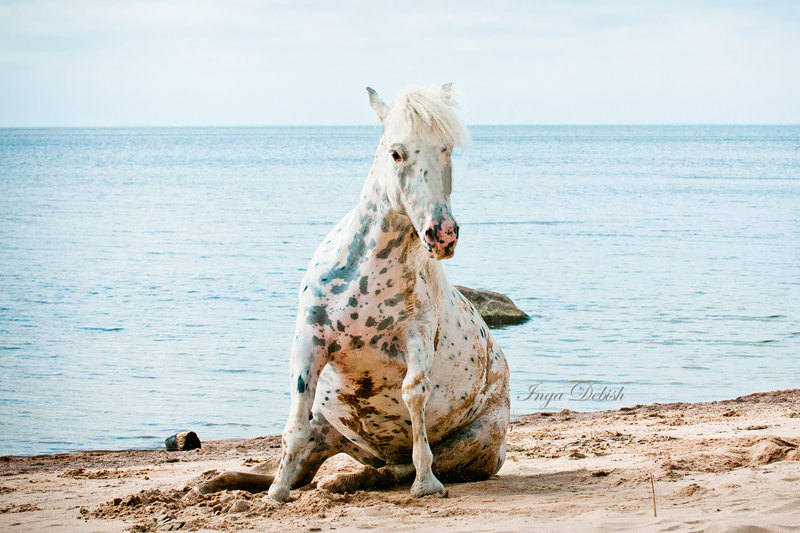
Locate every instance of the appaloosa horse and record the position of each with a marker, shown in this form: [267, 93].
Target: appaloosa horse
[390, 363]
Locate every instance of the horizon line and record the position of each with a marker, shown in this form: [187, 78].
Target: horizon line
[378, 125]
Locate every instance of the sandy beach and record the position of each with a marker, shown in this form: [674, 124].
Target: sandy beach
[730, 465]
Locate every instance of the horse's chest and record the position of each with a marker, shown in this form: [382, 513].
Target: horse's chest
[362, 397]
[363, 400]
[373, 318]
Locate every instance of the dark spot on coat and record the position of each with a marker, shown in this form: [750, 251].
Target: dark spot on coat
[349, 270]
[390, 349]
[393, 243]
[356, 343]
[317, 315]
[365, 388]
[394, 300]
[301, 385]
[339, 289]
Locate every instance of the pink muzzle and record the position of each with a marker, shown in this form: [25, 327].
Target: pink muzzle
[440, 237]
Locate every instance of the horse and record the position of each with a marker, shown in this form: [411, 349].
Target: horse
[390, 363]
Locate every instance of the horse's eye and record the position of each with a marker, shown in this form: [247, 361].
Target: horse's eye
[444, 149]
[396, 156]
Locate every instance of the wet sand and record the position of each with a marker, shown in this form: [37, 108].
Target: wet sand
[730, 465]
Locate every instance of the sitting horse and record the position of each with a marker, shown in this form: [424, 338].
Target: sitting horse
[390, 364]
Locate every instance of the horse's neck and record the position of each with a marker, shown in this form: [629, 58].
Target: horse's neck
[384, 226]
[386, 223]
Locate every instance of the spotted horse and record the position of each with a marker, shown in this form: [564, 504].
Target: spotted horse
[390, 363]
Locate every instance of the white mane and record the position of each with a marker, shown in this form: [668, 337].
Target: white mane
[424, 112]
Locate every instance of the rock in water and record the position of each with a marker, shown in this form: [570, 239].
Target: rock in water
[181, 442]
[495, 308]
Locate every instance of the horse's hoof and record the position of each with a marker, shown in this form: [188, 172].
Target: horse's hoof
[279, 493]
[426, 487]
[203, 489]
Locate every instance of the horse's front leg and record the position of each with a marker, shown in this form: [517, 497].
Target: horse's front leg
[307, 361]
[416, 391]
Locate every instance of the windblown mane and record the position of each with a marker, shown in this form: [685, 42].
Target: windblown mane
[427, 112]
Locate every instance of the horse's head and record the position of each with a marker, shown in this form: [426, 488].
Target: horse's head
[420, 130]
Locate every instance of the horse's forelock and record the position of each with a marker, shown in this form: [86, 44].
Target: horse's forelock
[427, 113]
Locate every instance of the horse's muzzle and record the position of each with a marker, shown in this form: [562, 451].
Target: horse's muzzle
[440, 237]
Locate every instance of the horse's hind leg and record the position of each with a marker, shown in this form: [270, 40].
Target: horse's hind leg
[473, 453]
[324, 442]
[246, 481]
[476, 451]
[370, 478]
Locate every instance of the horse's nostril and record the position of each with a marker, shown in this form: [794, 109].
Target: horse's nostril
[430, 235]
[455, 230]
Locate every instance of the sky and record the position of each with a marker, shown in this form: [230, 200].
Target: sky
[250, 62]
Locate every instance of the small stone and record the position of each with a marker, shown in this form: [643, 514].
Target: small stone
[181, 442]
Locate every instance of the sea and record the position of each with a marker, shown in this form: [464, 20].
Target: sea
[149, 276]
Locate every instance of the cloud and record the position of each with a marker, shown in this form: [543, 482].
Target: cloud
[242, 62]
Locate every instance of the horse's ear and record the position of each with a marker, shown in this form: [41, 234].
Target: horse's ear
[447, 92]
[380, 107]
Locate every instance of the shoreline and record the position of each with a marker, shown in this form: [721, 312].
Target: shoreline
[715, 466]
[548, 411]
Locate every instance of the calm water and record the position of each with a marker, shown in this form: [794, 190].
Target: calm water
[148, 277]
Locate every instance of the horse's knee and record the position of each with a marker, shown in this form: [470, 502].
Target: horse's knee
[297, 436]
[473, 453]
[416, 389]
[467, 464]
[305, 447]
